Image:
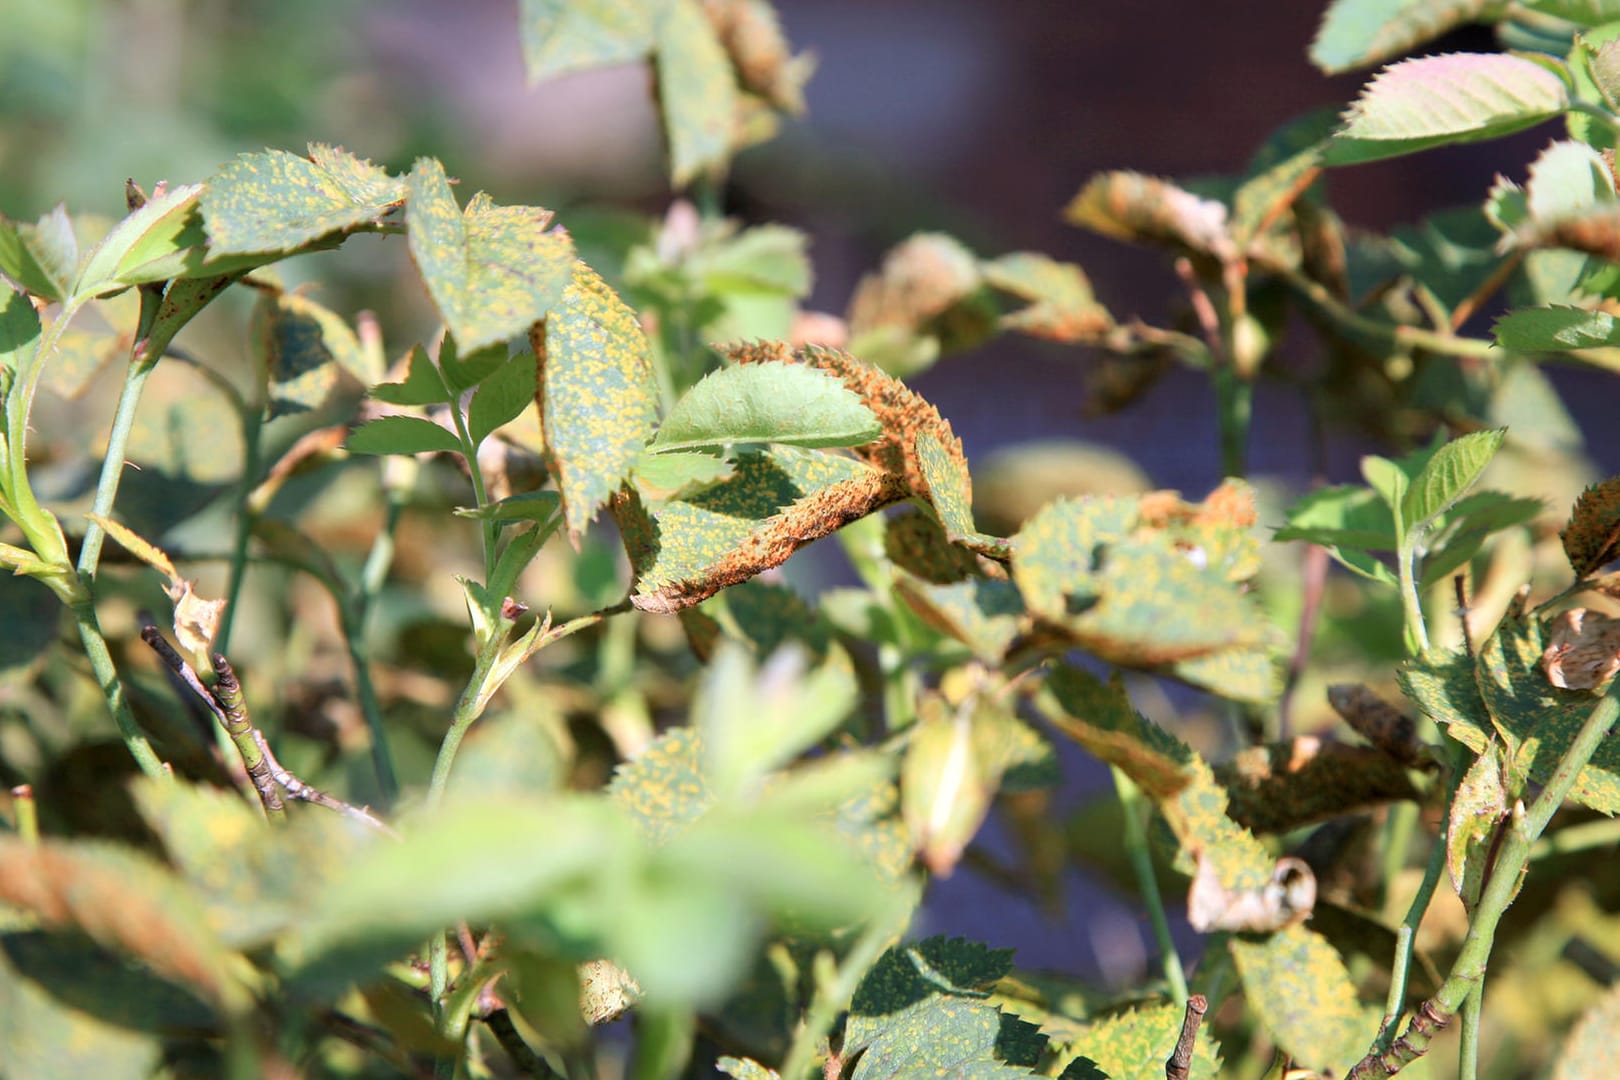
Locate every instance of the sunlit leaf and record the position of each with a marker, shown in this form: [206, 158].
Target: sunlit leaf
[1299, 987]
[906, 978]
[1440, 100]
[423, 384]
[984, 614]
[299, 342]
[1358, 33]
[43, 257]
[1149, 210]
[697, 91]
[492, 270]
[566, 35]
[598, 399]
[1454, 468]
[779, 403]
[279, 202]
[1480, 802]
[1134, 1044]
[1059, 302]
[1555, 329]
[401, 435]
[1591, 1051]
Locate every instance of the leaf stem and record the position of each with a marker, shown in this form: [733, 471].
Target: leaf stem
[1417, 631]
[1468, 1052]
[1136, 847]
[1520, 834]
[1393, 336]
[252, 425]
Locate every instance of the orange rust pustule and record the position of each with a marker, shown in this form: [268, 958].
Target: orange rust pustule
[780, 536]
[903, 414]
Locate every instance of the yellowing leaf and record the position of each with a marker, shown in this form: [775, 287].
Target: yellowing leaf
[1148, 210]
[598, 400]
[276, 201]
[697, 90]
[492, 271]
[1298, 985]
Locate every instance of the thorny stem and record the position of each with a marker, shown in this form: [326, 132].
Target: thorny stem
[1179, 1065]
[1521, 832]
[1136, 847]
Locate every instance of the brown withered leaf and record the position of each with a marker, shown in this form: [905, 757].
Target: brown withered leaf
[1286, 899]
[1379, 722]
[1147, 209]
[1275, 788]
[1592, 536]
[921, 278]
[1598, 234]
[1583, 650]
[752, 36]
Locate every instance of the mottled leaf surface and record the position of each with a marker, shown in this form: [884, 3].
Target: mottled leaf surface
[907, 977]
[1591, 1051]
[1133, 1045]
[1298, 985]
[1480, 802]
[492, 270]
[598, 399]
[301, 344]
[1592, 537]
[776, 403]
[1059, 303]
[277, 201]
[984, 614]
[664, 788]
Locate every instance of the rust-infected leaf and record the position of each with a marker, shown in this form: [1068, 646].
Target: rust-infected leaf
[1592, 537]
[598, 398]
[985, 614]
[276, 201]
[492, 270]
[697, 90]
[1147, 209]
[122, 901]
[920, 280]
[774, 502]
[298, 342]
[1592, 1052]
[916, 543]
[1299, 987]
[1583, 650]
[1134, 1044]
[1480, 803]
[1282, 786]
[752, 35]
[1379, 722]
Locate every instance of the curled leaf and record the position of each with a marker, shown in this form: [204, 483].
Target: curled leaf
[1583, 650]
[1287, 898]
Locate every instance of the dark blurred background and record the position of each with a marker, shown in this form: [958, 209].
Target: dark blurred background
[976, 118]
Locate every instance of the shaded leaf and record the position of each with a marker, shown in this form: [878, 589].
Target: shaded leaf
[41, 258]
[789, 404]
[279, 202]
[401, 435]
[299, 341]
[697, 91]
[907, 977]
[1592, 537]
[984, 614]
[559, 36]
[1358, 33]
[492, 271]
[1279, 787]
[1303, 995]
[502, 396]
[598, 399]
[1146, 209]
[45, 1036]
[423, 384]
[1441, 100]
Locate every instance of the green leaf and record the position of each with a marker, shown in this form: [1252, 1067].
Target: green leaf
[1556, 329]
[401, 435]
[1281, 164]
[41, 258]
[599, 401]
[1235, 674]
[1298, 985]
[663, 788]
[745, 1069]
[537, 506]
[950, 489]
[774, 502]
[1449, 473]
[1442, 100]
[1537, 722]
[279, 202]
[104, 265]
[423, 384]
[697, 90]
[1585, 12]
[984, 614]
[661, 477]
[1359, 33]
[1060, 305]
[502, 397]
[42, 1035]
[493, 271]
[569, 35]
[947, 1037]
[789, 404]
[1592, 537]
[1134, 1044]
[908, 977]
[765, 259]
[1463, 529]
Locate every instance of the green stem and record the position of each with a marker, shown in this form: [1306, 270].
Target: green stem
[354, 613]
[252, 423]
[26, 812]
[1520, 834]
[1390, 336]
[1417, 631]
[1136, 846]
[112, 687]
[1234, 398]
[469, 450]
[1468, 1052]
[1399, 827]
[1405, 936]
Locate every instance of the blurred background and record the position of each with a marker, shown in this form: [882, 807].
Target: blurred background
[974, 118]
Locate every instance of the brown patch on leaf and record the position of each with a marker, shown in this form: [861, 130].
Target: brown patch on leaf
[1583, 650]
[1276, 788]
